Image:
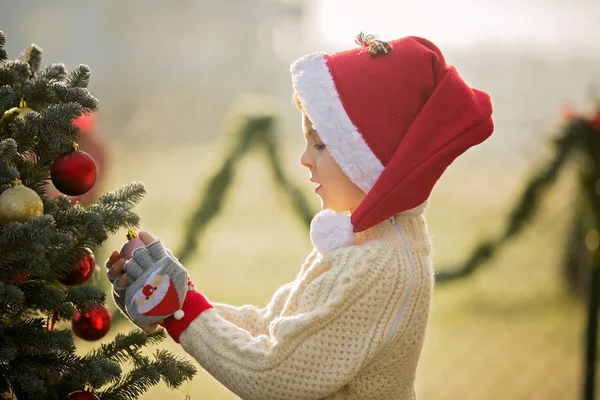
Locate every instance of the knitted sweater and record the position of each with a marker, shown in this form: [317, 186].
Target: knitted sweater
[350, 326]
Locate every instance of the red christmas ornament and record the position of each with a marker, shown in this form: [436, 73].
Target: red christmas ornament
[92, 325]
[595, 122]
[86, 394]
[74, 173]
[85, 123]
[133, 242]
[81, 395]
[19, 278]
[83, 271]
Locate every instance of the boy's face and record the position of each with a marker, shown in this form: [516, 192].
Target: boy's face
[337, 191]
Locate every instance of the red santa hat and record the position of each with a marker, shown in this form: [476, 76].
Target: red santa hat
[394, 116]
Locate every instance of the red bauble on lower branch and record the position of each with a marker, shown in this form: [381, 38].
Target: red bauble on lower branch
[74, 173]
[81, 395]
[83, 271]
[86, 394]
[92, 325]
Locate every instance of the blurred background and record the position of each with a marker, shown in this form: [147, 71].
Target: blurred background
[172, 76]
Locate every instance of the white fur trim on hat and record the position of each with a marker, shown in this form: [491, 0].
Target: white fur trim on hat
[320, 101]
[330, 230]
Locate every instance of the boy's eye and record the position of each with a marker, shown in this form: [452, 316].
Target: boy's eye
[319, 146]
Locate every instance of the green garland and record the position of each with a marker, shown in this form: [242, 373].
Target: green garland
[255, 130]
[576, 134]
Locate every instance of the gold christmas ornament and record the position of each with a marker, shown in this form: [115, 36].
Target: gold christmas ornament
[8, 116]
[19, 204]
[12, 113]
[23, 109]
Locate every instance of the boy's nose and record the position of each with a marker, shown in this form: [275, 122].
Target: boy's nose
[305, 160]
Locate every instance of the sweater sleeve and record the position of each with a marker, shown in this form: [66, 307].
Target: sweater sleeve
[256, 320]
[337, 328]
[251, 318]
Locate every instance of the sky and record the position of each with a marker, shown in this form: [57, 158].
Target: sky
[555, 25]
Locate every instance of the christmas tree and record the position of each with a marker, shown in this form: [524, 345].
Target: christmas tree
[47, 247]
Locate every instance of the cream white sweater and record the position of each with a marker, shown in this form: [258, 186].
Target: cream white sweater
[350, 326]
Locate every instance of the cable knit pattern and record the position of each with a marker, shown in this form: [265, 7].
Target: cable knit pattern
[351, 326]
[255, 320]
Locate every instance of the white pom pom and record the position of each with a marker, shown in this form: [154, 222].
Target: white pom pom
[330, 230]
[178, 314]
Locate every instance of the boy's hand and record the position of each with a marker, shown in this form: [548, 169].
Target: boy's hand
[151, 286]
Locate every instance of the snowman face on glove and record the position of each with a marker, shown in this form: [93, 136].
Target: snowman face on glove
[157, 297]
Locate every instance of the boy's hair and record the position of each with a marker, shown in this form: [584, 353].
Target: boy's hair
[296, 100]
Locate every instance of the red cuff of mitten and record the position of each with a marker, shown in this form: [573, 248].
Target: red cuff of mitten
[193, 305]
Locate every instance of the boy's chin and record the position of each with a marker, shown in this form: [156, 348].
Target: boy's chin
[325, 206]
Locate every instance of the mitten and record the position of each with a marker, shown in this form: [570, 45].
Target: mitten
[118, 295]
[159, 290]
[158, 285]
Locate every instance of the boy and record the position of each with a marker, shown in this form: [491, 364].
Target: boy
[382, 122]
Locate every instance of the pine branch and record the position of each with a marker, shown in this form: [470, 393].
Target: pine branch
[96, 371]
[132, 385]
[114, 209]
[66, 312]
[8, 150]
[16, 233]
[9, 349]
[33, 57]
[81, 223]
[172, 369]
[8, 168]
[11, 297]
[115, 218]
[26, 379]
[9, 173]
[57, 72]
[123, 346]
[39, 93]
[35, 248]
[85, 297]
[78, 95]
[53, 127]
[33, 176]
[7, 98]
[31, 339]
[79, 77]
[91, 224]
[50, 367]
[3, 54]
[56, 205]
[130, 194]
[41, 296]
[14, 73]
